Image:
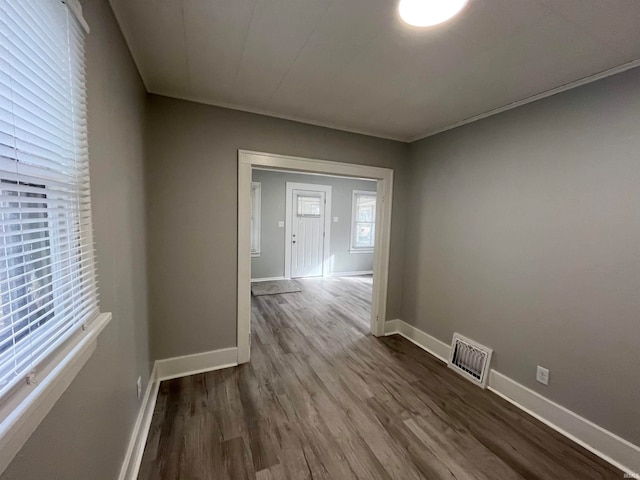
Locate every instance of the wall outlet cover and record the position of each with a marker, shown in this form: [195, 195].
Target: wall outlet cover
[542, 375]
[281, 224]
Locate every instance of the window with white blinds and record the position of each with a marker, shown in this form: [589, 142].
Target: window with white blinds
[363, 221]
[47, 273]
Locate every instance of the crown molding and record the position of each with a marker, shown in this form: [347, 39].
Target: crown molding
[539, 96]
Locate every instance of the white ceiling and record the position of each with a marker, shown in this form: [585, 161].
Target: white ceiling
[353, 65]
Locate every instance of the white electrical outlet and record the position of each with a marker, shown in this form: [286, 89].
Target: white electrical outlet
[280, 223]
[542, 375]
[335, 219]
[139, 387]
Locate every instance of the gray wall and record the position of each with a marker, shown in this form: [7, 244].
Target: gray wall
[270, 263]
[524, 235]
[192, 215]
[527, 238]
[86, 433]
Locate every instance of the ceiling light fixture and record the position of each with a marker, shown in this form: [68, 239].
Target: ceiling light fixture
[426, 13]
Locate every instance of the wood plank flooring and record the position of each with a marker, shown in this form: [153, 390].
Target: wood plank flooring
[323, 399]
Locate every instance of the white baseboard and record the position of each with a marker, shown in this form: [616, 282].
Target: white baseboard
[606, 445]
[166, 370]
[133, 456]
[197, 363]
[352, 274]
[425, 341]
[266, 279]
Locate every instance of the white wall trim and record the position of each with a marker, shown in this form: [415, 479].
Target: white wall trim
[288, 219]
[167, 369]
[435, 347]
[197, 363]
[568, 86]
[384, 176]
[351, 274]
[606, 445]
[138, 440]
[400, 138]
[270, 113]
[267, 279]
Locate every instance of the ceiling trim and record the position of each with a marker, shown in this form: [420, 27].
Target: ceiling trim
[132, 55]
[567, 86]
[292, 118]
[334, 126]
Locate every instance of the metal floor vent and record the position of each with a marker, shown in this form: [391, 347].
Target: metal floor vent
[470, 359]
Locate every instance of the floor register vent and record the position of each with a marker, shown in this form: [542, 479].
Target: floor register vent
[470, 359]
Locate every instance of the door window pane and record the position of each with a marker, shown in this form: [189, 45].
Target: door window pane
[308, 206]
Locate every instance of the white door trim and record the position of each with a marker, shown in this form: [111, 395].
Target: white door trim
[384, 176]
[290, 187]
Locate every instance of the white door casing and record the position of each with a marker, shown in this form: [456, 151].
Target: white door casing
[246, 161]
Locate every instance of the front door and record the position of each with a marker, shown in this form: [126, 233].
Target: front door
[307, 233]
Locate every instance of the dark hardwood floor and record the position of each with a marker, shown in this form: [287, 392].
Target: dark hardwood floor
[322, 398]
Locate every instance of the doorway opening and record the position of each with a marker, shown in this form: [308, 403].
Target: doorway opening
[306, 228]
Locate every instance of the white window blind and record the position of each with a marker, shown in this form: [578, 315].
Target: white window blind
[363, 221]
[47, 272]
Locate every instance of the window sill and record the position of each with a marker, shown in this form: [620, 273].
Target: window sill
[23, 409]
[361, 250]
[255, 254]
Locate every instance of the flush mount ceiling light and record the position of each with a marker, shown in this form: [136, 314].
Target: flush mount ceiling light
[425, 13]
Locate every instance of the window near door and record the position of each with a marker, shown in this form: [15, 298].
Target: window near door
[363, 222]
[48, 286]
[256, 193]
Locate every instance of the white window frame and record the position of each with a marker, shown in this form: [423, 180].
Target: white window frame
[256, 218]
[354, 202]
[24, 406]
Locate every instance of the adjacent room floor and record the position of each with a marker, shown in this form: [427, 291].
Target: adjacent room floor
[322, 398]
